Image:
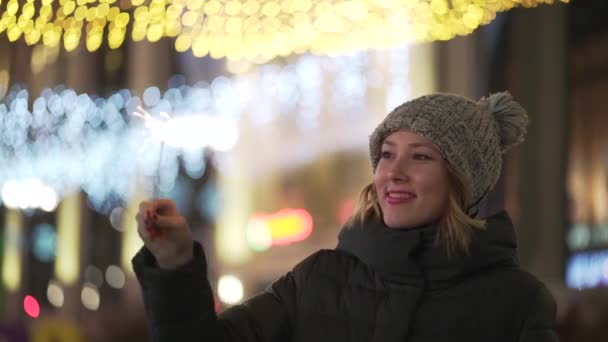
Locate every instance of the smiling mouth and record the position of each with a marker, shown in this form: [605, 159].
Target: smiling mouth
[399, 197]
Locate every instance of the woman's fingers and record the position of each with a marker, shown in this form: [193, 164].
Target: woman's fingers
[169, 222]
[145, 224]
[165, 232]
[164, 206]
[143, 206]
[155, 218]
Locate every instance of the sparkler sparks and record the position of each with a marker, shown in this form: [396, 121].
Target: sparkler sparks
[155, 126]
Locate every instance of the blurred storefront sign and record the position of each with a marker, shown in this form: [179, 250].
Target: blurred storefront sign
[587, 269]
[281, 228]
[587, 178]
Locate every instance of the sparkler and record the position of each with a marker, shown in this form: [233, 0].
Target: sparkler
[155, 126]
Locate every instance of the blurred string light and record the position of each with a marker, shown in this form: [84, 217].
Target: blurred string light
[90, 297]
[251, 28]
[28, 194]
[11, 260]
[93, 275]
[230, 289]
[116, 217]
[115, 277]
[31, 306]
[54, 294]
[44, 240]
[42, 56]
[68, 141]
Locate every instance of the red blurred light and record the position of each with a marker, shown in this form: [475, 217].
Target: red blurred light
[217, 305]
[346, 210]
[31, 306]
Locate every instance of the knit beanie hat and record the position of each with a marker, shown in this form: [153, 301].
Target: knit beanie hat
[472, 136]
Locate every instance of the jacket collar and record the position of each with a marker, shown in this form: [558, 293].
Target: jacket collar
[409, 255]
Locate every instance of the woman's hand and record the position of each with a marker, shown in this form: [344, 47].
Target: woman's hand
[165, 233]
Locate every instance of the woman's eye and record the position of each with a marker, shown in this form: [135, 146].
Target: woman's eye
[421, 156]
[385, 154]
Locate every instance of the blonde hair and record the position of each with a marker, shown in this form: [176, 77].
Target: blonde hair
[455, 227]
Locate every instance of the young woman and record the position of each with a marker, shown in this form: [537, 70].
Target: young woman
[414, 263]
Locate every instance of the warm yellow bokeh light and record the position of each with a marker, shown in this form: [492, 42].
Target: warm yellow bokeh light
[230, 238]
[131, 242]
[253, 29]
[42, 56]
[183, 42]
[116, 37]
[67, 261]
[11, 260]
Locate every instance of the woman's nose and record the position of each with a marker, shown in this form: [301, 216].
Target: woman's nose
[398, 171]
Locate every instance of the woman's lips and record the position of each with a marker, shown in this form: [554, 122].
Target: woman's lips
[399, 197]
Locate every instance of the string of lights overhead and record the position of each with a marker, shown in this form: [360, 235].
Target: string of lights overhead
[249, 28]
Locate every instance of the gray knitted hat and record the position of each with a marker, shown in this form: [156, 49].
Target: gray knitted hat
[472, 136]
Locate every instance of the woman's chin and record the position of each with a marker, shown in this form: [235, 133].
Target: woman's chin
[398, 223]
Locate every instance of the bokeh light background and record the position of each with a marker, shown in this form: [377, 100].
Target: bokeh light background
[252, 115]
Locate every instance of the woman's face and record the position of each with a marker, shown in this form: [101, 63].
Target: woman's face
[411, 181]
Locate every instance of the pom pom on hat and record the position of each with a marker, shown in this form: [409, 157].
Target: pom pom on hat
[511, 118]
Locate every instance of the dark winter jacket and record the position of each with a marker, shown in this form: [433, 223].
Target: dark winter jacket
[379, 284]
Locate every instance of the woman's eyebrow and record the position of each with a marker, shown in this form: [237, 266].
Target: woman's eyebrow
[414, 144]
